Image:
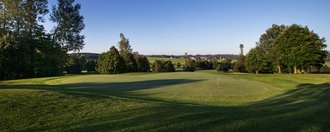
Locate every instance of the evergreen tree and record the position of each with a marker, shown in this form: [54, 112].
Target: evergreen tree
[111, 62]
[69, 24]
[142, 62]
[126, 52]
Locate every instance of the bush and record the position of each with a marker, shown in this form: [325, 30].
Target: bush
[190, 65]
[163, 66]
[204, 64]
[224, 66]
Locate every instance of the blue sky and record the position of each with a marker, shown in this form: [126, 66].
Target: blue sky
[193, 26]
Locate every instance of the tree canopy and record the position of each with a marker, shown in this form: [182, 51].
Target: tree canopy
[298, 47]
[69, 24]
[111, 62]
[293, 47]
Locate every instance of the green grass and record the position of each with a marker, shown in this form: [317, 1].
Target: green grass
[182, 101]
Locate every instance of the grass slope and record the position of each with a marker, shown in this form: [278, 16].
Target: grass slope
[195, 101]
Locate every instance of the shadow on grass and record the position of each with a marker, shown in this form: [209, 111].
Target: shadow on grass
[101, 89]
[305, 108]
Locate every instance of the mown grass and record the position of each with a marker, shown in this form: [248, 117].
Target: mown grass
[197, 101]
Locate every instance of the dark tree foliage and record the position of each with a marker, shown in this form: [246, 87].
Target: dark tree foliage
[168, 67]
[69, 25]
[157, 66]
[126, 52]
[239, 64]
[25, 49]
[91, 66]
[299, 48]
[142, 62]
[224, 66]
[163, 66]
[266, 45]
[131, 63]
[292, 49]
[75, 64]
[190, 65]
[204, 64]
[111, 62]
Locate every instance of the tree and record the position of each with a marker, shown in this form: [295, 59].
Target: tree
[126, 52]
[91, 66]
[224, 66]
[26, 50]
[75, 63]
[142, 62]
[69, 24]
[255, 61]
[162, 66]
[204, 64]
[157, 66]
[239, 65]
[131, 63]
[297, 47]
[190, 65]
[50, 58]
[111, 62]
[241, 46]
[266, 46]
[168, 66]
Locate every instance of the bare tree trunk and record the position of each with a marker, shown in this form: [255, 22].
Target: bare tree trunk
[295, 69]
[257, 71]
[279, 69]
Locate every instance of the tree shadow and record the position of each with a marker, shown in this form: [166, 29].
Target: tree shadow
[95, 89]
[305, 108]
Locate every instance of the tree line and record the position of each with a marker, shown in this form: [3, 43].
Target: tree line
[27, 50]
[123, 60]
[290, 49]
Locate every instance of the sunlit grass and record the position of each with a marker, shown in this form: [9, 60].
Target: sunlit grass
[188, 101]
